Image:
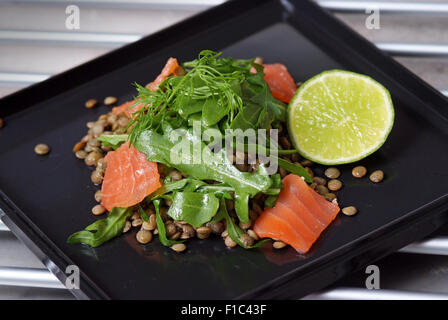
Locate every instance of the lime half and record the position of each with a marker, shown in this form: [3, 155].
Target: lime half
[339, 117]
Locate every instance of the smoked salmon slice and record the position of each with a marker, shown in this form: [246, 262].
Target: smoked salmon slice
[280, 82]
[129, 178]
[299, 216]
[277, 228]
[169, 69]
[127, 108]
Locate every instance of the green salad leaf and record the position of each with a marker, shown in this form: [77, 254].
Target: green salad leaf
[103, 230]
[143, 213]
[194, 208]
[113, 140]
[295, 168]
[214, 166]
[260, 107]
[234, 231]
[161, 227]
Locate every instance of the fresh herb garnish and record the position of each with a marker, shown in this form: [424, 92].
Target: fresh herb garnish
[161, 227]
[103, 230]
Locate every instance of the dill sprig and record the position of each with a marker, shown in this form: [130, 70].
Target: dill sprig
[208, 77]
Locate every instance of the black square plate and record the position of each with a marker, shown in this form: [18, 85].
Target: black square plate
[48, 198]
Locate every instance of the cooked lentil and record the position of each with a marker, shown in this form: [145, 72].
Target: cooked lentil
[101, 165]
[295, 157]
[332, 173]
[359, 171]
[247, 240]
[203, 232]
[179, 247]
[246, 225]
[320, 181]
[110, 100]
[97, 129]
[310, 171]
[170, 229]
[127, 227]
[137, 222]
[187, 232]
[144, 236]
[176, 236]
[98, 210]
[217, 227]
[252, 234]
[349, 211]
[81, 154]
[229, 242]
[306, 163]
[334, 185]
[151, 224]
[78, 146]
[98, 196]
[322, 190]
[377, 176]
[256, 207]
[279, 245]
[175, 175]
[96, 177]
[41, 149]
[330, 196]
[135, 216]
[90, 124]
[91, 103]
[92, 158]
[284, 142]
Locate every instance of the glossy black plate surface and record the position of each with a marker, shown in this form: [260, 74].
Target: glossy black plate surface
[48, 198]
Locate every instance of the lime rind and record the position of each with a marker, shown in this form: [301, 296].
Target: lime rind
[363, 90]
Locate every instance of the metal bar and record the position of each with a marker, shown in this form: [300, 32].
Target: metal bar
[385, 7]
[29, 277]
[96, 39]
[16, 78]
[365, 294]
[42, 278]
[436, 246]
[143, 4]
[117, 39]
[3, 227]
[414, 49]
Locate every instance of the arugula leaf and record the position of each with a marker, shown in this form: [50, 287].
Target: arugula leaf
[274, 191]
[295, 168]
[168, 187]
[214, 166]
[234, 231]
[113, 140]
[143, 214]
[270, 201]
[194, 208]
[161, 227]
[260, 107]
[106, 229]
[277, 185]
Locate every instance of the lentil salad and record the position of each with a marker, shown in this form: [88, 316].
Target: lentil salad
[237, 89]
